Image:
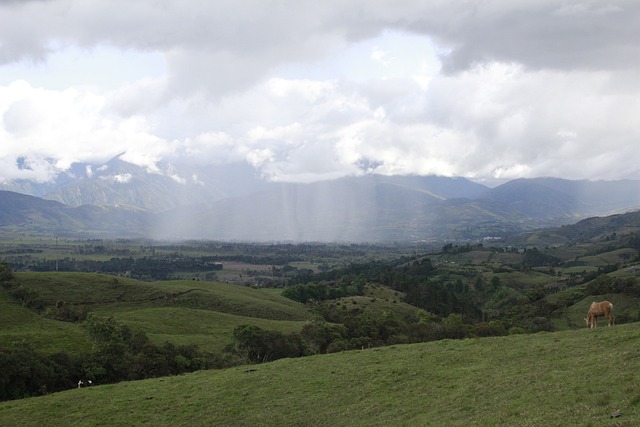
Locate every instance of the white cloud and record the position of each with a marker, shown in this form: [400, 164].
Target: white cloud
[380, 56]
[308, 90]
[121, 178]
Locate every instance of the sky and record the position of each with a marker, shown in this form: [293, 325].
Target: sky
[310, 90]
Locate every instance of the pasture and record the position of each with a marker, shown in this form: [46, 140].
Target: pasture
[19, 325]
[179, 312]
[524, 380]
[573, 316]
[210, 330]
[99, 292]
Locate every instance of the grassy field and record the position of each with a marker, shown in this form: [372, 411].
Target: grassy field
[573, 316]
[209, 330]
[18, 324]
[99, 291]
[578, 377]
[180, 312]
[609, 258]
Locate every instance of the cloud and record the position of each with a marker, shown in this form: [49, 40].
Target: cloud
[69, 126]
[121, 178]
[538, 34]
[308, 90]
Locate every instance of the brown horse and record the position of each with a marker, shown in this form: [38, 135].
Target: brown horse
[599, 309]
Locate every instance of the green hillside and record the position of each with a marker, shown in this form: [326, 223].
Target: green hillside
[116, 329]
[573, 316]
[179, 312]
[100, 291]
[18, 324]
[210, 330]
[580, 377]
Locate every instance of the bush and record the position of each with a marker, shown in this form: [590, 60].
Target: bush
[6, 275]
[256, 345]
[25, 372]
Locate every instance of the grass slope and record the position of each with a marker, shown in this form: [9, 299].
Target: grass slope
[209, 330]
[99, 291]
[565, 378]
[18, 324]
[573, 317]
[180, 312]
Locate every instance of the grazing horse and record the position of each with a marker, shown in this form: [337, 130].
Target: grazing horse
[599, 309]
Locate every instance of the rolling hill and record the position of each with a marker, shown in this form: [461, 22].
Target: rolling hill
[181, 312]
[594, 230]
[22, 325]
[526, 380]
[542, 378]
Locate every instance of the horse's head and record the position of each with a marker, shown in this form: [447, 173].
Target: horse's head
[586, 319]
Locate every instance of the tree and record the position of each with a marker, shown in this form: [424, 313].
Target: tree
[111, 358]
[479, 286]
[257, 345]
[120, 354]
[495, 282]
[6, 276]
[25, 372]
[453, 326]
[318, 335]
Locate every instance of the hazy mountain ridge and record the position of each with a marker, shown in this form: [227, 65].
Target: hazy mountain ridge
[381, 208]
[560, 198]
[24, 213]
[119, 183]
[215, 205]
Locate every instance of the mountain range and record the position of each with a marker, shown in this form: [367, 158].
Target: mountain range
[232, 202]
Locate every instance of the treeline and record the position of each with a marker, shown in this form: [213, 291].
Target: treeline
[158, 267]
[155, 267]
[365, 330]
[117, 354]
[416, 278]
[606, 284]
[321, 291]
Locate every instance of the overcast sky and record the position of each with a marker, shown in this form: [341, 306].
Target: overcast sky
[309, 90]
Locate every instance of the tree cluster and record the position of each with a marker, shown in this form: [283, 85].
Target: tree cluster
[365, 329]
[117, 354]
[25, 372]
[316, 291]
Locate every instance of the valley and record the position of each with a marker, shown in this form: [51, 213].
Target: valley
[291, 213]
[115, 311]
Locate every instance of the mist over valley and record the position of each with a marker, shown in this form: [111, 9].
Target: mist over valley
[232, 202]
